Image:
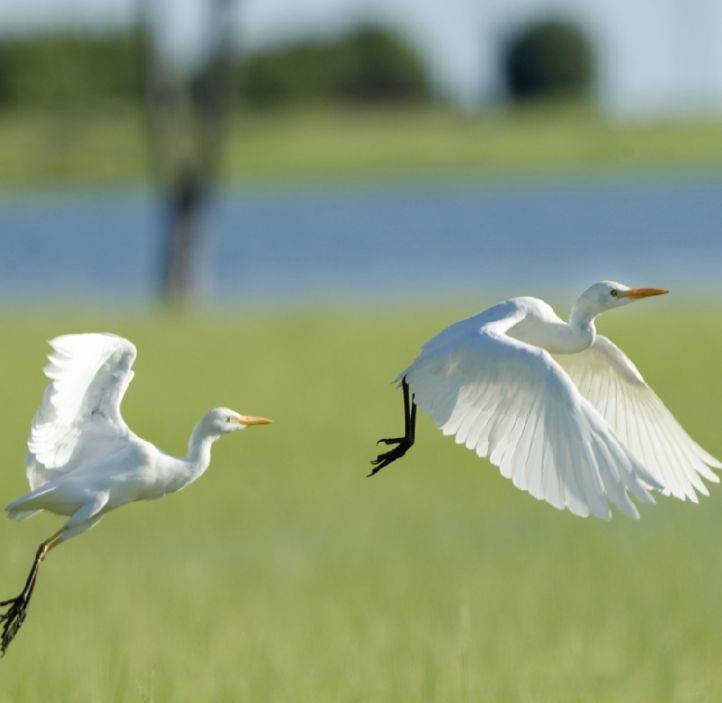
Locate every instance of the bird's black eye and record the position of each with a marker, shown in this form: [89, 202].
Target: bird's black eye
[614, 293]
[228, 419]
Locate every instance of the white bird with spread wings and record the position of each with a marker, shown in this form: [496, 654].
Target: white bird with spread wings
[561, 410]
[84, 461]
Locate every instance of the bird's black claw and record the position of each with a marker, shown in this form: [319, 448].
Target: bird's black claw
[12, 619]
[383, 460]
[378, 464]
[391, 440]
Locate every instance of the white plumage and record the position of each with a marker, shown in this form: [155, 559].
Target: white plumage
[559, 409]
[84, 461]
[89, 375]
[608, 379]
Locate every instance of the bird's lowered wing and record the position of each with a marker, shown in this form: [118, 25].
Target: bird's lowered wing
[512, 402]
[609, 380]
[89, 375]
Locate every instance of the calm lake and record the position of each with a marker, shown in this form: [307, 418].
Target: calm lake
[414, 241]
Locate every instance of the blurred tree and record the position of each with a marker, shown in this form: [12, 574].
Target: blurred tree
[7, 87]
[550, 59]
[299, 72]
[68, 69]
[186, 106]
[369, 64]
[375, 65]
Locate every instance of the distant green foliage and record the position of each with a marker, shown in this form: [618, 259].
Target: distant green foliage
[551, 59]
[374, 64]
[298, 72]
[68, 69]
[370, 64]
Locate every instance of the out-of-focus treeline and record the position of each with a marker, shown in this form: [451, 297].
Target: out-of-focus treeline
[41, 70]
[369, 63]
[73, 107]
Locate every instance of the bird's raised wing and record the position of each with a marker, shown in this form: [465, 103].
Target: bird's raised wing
[609, 380]
[89, 375]
[512, 402]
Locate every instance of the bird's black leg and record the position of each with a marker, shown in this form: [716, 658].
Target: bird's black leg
[403, 444]
[16, 608]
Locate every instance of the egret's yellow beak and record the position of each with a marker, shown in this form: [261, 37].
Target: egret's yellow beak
[637, 293]
[248, 420]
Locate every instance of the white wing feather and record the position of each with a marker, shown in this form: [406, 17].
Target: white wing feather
[89, 375]
[609, 380]
[512, 402]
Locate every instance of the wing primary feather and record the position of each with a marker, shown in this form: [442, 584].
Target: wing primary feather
[88, 374]
[611, 382]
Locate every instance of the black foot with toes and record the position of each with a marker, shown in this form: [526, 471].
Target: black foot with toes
[392, 440]
[12, 619]
[402, 446]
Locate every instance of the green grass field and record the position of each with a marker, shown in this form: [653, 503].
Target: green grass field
[286, 575]
[106, 148]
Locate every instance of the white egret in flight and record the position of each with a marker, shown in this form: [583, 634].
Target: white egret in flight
[84, 461]
[561, 410]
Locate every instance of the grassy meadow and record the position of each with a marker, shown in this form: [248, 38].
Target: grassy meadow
[107, 147]
[285, 575]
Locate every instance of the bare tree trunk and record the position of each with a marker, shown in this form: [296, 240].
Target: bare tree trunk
[185, 119]
[182, 241]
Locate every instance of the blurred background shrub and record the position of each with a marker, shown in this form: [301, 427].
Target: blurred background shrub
[550, 59]
[371, 64]
[374, 64]
[68, 69]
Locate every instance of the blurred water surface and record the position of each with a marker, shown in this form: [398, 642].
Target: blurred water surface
[412, 241]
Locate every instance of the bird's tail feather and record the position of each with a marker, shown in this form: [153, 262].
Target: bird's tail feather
[21, 515]
[30, 502]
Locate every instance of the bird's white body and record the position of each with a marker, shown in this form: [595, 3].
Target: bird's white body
[129, 469]
[560, 410]
[83, 459]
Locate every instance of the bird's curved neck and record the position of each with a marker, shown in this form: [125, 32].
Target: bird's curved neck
[542, 327]
[581, 323]
[198, 458]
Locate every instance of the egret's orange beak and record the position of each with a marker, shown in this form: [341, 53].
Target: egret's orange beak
[637, 293]
[248, 420]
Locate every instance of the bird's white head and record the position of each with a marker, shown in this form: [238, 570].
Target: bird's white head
[607, 295]
[215, 423]
[223, 420]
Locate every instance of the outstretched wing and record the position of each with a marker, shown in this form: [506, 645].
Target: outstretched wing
[609, 380]
[89, 375]
[512, 402]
